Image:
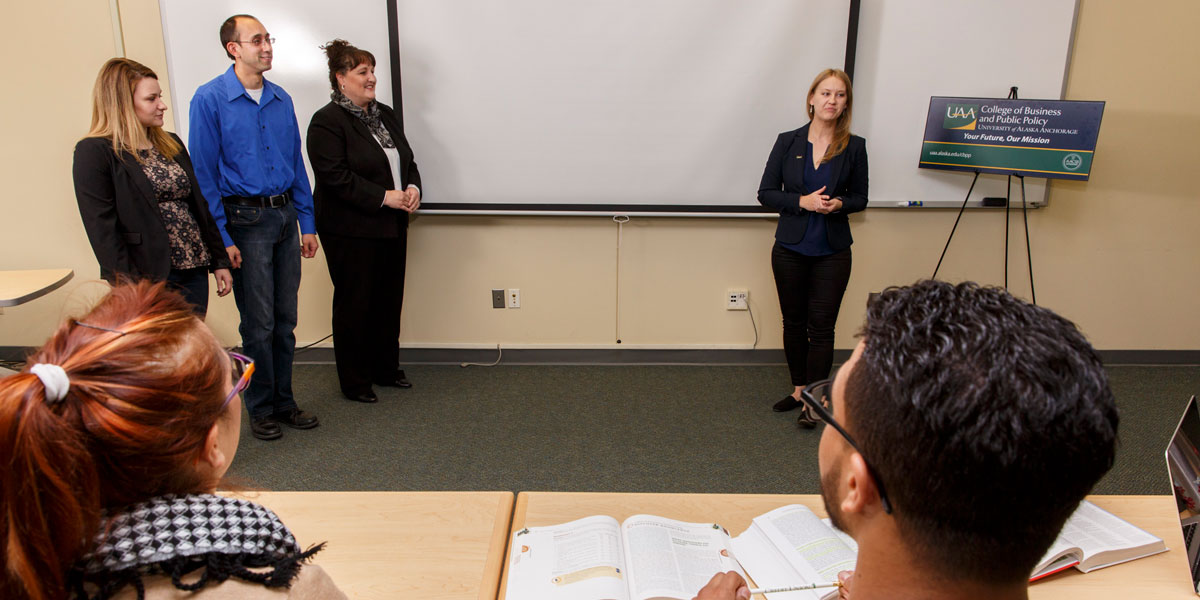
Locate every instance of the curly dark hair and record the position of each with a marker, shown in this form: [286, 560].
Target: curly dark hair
[988, 418]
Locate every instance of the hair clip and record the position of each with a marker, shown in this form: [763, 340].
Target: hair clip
[116, 331]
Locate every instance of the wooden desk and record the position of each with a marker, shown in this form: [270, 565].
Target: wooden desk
[19, 287]
[429, 545]
[1164, 576]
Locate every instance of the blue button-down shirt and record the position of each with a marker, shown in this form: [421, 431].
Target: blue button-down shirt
[240, 147]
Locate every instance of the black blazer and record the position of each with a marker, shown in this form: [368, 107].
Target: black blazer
[352, 173]
[782, 179]
[120, 213]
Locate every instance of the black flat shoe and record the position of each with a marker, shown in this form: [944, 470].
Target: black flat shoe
[806, 419]
[396, 380]
[265, 429]
[367, 396]
[297, 419]
[788, 403]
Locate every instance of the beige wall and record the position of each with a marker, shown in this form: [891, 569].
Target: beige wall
[1117, 254]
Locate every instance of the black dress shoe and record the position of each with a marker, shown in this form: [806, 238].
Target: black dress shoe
[367, 396]
[788, 403]
[297, 419]
[265, 429]
[396, 380]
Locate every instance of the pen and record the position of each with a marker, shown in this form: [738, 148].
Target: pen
[794, 588]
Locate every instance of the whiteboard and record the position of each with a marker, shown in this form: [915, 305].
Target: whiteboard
[191, 31]
[910, 50]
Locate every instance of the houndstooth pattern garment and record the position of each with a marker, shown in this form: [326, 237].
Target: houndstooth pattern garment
[175, 526]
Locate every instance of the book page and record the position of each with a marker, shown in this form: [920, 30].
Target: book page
[791, 546]
[1106, 539]
[1061, 555]
[842, 535]
[580, 560]
[673, 559]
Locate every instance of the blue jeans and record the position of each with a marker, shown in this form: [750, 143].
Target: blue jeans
[266, 288]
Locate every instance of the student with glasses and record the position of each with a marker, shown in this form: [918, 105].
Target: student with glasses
[963, 431]
[115, 437]
[246, 148]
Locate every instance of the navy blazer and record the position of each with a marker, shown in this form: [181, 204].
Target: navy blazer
[784, 174]
[352, 173]
[121, 215]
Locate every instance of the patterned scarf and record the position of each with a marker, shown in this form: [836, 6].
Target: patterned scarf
[175, 535]
[370, 117]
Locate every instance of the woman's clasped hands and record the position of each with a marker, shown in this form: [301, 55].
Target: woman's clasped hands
[406, 200]
[818, 202]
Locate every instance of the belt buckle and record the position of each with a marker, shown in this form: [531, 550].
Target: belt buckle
[277, 200]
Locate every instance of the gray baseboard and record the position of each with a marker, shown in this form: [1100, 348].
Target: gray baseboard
[619, 356]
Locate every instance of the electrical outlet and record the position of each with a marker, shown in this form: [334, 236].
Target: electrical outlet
[497, 298]
[514, 298]
[736, 299]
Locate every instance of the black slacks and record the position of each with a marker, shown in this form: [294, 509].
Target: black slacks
[810, 294]
[368, 293]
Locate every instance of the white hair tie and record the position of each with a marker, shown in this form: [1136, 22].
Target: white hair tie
[54, 378]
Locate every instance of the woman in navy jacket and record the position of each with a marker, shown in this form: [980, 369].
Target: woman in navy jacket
[366, 186]
[138, 196]
[815, 177]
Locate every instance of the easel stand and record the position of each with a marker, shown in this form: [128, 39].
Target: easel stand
[1007, 203]
[1012, 94]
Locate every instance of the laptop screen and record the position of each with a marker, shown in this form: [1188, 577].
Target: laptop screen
[1183, 463]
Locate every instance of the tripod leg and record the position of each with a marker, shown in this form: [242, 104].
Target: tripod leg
[1028, 252]
[956, 220]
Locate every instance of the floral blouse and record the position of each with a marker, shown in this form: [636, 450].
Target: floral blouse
[172, 188]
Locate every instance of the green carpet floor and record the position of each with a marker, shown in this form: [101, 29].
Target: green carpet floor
[612, 428]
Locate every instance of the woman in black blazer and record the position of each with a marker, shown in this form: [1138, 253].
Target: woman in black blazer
[815, 176]
[366, 186]
[138, 196]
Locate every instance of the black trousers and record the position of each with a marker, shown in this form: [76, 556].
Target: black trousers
[193, 284]
[810, 294]
[368, 293]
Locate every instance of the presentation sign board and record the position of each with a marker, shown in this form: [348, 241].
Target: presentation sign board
[1055, 139]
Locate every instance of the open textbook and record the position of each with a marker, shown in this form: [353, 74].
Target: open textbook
[1094, 538]
[793, 546]
[597, 558]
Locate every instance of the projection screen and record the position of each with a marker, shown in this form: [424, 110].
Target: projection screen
[645, 105]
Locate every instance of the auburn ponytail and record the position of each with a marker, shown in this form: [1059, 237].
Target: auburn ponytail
[146, 383]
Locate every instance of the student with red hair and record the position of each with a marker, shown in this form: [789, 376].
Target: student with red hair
[114, 439]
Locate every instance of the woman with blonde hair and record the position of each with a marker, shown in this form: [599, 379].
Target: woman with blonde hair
[815, 176]
[137, 193]
[114, 438]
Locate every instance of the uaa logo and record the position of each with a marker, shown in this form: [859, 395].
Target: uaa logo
[960, 116]
[1072, 161]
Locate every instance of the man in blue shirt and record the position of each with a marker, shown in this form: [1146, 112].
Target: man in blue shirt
[245, 146]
